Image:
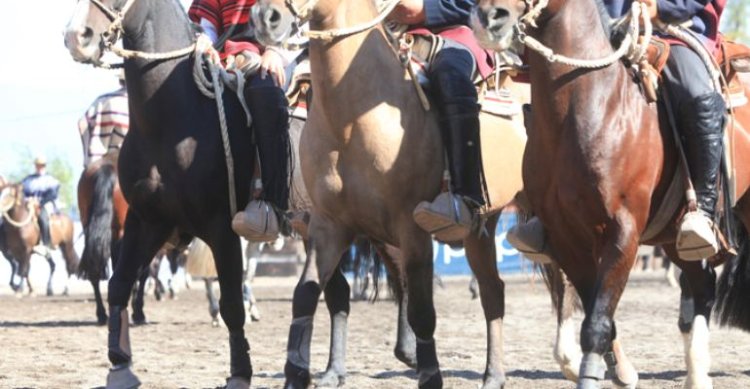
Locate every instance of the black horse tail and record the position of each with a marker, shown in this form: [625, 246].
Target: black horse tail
[98, 230]
[554, 279]
[733, 290]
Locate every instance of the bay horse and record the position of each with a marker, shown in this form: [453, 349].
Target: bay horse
[103, 209]
[596, 168]
[22, 237]
[172, 168]
[370, 153]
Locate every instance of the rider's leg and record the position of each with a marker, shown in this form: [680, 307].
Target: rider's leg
[44, 227]
[701, 115]
[260, 222]
[450, 216]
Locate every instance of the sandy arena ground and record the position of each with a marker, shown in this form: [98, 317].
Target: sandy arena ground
[53, 342]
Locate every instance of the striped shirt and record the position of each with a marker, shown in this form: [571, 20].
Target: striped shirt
[104, 125]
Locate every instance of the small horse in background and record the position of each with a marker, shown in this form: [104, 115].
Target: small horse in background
[597, 166]
[22, 237]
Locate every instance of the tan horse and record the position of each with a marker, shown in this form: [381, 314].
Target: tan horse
[22, 236]
[370, 153]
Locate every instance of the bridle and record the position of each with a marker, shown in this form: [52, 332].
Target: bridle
[115, 31]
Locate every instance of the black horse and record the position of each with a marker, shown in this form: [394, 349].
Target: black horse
[172, 165]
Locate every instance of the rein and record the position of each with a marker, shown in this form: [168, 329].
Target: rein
[302, 13]
[115, 30]
[631, 47]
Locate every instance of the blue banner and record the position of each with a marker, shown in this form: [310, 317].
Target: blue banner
[449, 261]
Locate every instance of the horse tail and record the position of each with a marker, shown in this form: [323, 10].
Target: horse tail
[733, 290]
[556, 284]
[98, 229]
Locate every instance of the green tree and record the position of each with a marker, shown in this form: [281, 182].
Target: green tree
[736, 21]
[58, 167]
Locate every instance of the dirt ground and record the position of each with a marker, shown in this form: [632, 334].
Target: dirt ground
[52, 342]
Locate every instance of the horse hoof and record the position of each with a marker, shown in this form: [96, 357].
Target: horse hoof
[102, 320]
[330, 379]
[588, 383]
[50, 293]
[691, 383]
[122, 378]
[570, 371]
[433, 382]
[237, 383]
[138, 319]
[215, 323]
[296, 377]
[408, 357]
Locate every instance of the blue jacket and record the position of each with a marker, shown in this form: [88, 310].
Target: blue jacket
[441, 13]
[703, 14]
[44, 187]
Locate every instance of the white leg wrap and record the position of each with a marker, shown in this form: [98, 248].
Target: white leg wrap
[697, 355]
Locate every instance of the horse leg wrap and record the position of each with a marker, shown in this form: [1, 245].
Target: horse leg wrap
[339, 326]
[592, 368]
[239, 352]
[119, 337]
[298, 345]
[427, 365]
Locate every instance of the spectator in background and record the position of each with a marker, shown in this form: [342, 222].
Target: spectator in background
[104, 124]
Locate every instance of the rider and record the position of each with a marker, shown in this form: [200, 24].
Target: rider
[105, 123]
[44, 188]
[451, 216]
[700, 112]
[227, 24]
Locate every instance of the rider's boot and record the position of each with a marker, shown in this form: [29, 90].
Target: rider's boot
[44, 228]
[262, 219]
[452, 215]
[703, 126]
[530, 240]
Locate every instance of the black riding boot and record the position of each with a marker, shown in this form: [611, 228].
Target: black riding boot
[44, 227]
[460, 128]
[269, 109]
[262, 220]
[702, 127]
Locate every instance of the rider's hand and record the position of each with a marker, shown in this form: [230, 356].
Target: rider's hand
[272, 63]
[651, 9]
[408, 12]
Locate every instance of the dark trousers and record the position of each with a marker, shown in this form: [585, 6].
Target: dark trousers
[269, 110]
[44, 226]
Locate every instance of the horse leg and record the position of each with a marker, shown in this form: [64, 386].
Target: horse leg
[71, 262]
[213, 303]
[101, 312]
[416, 246]
[52, 266]
[405, 349]
[598, 330]
[328, 243]
[252, 266]
[138, 245]
[482, 256]
[567, 350]
[697, 294]
[225, 246]
[337, 300]
[138, 316]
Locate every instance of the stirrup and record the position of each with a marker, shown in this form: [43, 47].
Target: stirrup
[696, 239]
[530, 240]
[257, 223]
[448, 217]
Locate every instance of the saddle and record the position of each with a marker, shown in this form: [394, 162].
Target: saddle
[734, 58]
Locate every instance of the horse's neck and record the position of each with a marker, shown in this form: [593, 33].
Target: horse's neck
[155, 26]
[576, 31]
[349, 73]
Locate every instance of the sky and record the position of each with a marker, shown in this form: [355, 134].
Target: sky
[43, 92]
